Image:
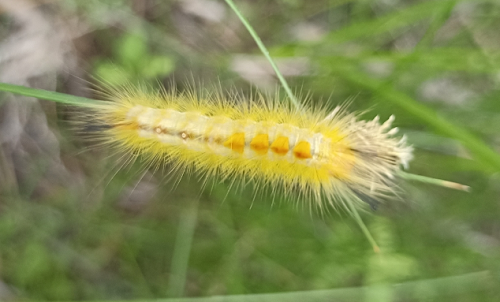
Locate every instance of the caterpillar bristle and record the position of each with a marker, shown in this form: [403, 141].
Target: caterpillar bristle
[307, 153]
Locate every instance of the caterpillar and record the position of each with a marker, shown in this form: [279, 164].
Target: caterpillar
[307, 153]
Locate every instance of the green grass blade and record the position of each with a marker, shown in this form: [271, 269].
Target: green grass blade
[265, 52]
[50, 95]
[354, 212]
[434, 181]
[387, 23]
[182, 250]
[418, 290]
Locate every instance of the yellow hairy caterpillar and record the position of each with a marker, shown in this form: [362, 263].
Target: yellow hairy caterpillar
[319, 156]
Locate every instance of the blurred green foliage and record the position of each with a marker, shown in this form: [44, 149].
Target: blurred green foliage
[125, 234]
[135, 63]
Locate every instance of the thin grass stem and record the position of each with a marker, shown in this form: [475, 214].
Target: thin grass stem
[419, 290]
[182, 250]
[434, 181]
[50, 95]
[265, 52]
[362, 225]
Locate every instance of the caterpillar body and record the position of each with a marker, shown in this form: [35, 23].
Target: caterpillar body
[322, 157]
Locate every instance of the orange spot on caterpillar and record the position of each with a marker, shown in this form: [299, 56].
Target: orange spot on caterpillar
[236, 142]
[260, 144]
[280, 145]
[302, 150]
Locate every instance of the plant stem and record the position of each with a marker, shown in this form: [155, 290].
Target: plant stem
[265, 52]
[182, 250]
[50, 95]
[434, 181]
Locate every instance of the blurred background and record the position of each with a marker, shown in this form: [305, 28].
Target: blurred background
[75, 226]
